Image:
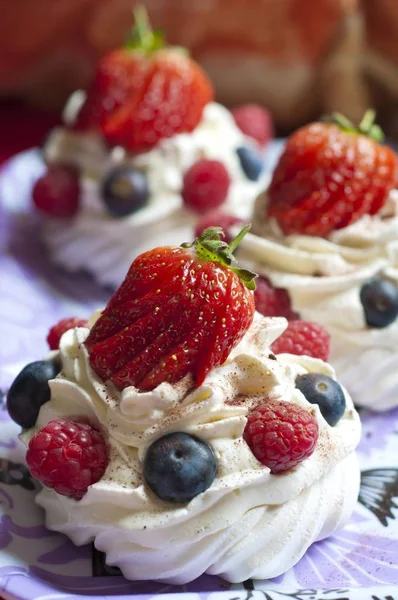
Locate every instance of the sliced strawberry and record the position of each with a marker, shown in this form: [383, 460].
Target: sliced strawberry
[144, 93]
[179, 311]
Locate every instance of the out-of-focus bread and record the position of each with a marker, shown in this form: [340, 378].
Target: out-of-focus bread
[300, 58]
[267, 51]
[48, 48]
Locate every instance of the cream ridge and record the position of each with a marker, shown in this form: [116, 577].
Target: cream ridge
[249, 523]
[323, 277]
[104, 245]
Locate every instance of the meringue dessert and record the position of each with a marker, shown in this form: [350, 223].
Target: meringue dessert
[143, 154]
[326, 231]
[177, 462]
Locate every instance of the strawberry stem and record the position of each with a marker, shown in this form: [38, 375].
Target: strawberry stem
[367, 126]
[209, 246]
[142, 36]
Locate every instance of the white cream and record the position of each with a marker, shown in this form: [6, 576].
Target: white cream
[249, 523]
[324, 278]
[96, 241]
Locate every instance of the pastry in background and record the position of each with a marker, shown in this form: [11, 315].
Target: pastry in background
[143, 154]
[325, 235]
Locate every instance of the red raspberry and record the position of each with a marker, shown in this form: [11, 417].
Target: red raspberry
[271, 301]
[280, 434]
[57, 192]
[304, 337]
[217, 218]
[255, 122]
[57, 330]
[67, 457]
[205, 185]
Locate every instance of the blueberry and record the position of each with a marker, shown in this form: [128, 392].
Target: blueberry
[179, 466]
[125, 190]
[251, 162]
[30, 390]
[379, 299]
[324, 391]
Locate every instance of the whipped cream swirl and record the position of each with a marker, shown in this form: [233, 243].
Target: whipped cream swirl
[324, 277]
[106, 246]
[249, 523]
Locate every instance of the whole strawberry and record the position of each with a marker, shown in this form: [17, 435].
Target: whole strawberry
[330, 175]
[180, 310]
[145, 92]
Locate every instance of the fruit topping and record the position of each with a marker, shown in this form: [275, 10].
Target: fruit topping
[281, 434]
[30, 390]
[57, 192]
[57, 330]
[379, 298]
[216, 218]
[330, 175]
[180, 310]
[145, 92]
[206, 185]
[179, 466]
[303, 337]
[67, 457]
[251, 162]
[124, 190]
[255, 122]
[324, 391]
[271, 301]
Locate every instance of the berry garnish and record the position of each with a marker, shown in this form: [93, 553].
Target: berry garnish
[379, 298]
[324, 391]
[206, 185]
[145, 92]
[255, 122]
[57, 192]
[67, 457]
[124, 190]
[251, 162]
[330, 175]
[219, 219]
[58, 330]
[271, 301]
[280, 434]
[180, 310]
[30, 390]
[179, 466]
[303, 337]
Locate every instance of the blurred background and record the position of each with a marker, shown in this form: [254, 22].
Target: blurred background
[299, 58]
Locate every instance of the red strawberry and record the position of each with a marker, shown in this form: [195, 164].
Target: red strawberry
[144, 92]
[330, 175]
[180, 310]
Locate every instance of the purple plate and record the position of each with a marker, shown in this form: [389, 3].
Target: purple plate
[359, 563]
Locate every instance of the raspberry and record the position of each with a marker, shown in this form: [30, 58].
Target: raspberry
[255, 122]
[304, 337]
[280, 434]
[271, 301]
[217, 219]
[57, 192]
[205, 185]
[57, 330]
[67, 457]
